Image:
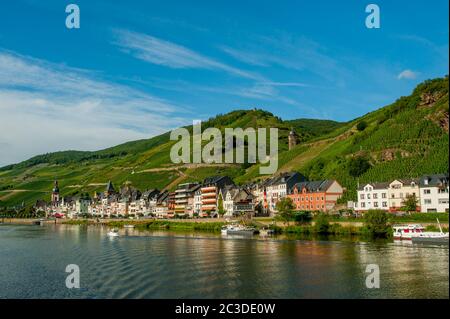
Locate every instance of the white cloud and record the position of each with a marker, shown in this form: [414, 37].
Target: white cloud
[46, 107]
[161, 52]
[407, 74]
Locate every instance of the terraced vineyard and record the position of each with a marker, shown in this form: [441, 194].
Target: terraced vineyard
[405, 139]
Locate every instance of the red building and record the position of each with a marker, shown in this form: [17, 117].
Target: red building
[316, 195]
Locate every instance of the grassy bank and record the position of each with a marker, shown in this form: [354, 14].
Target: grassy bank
[333, 229]
[174, 225]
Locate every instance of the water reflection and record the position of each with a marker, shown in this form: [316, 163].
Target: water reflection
[161, 264]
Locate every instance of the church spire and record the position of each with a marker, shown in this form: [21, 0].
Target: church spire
[55, 194]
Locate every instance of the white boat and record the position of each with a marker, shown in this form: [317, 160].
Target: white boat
[235, 229]
[432, 237]
[407, 231]
[128, 226]
[113, 233]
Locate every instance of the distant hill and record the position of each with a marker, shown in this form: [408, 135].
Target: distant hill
[405, 139]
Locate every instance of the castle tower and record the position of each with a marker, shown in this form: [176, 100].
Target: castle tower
[55, 194]
[292, 139]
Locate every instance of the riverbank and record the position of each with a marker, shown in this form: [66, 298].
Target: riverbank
[334, 228]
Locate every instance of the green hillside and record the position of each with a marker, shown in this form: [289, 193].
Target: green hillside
[405, 139]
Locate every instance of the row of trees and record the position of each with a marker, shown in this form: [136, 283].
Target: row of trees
[376, 222]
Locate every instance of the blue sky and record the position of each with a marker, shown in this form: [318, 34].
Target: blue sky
[137, 69]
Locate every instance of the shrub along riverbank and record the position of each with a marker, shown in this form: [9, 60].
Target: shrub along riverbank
[375, 224]
[174, 225]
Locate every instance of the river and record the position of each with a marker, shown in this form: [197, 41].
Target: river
[161, 264]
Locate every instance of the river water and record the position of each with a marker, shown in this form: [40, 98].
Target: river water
[164, 264]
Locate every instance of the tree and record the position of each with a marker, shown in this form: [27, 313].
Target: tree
[285, 208]
[302, 217]
[358, 166]
[322, 224]
[376, 222]
[410, 203]
[361, 126]
[220, 209]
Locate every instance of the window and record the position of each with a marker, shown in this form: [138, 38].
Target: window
[427, 191]
[375, 204]
[443, 201]
[363, 205]
[375, 196]
[362, 196]
[427, 201]
[384, 204]
[368, 196]
[383, 195]
[401, 195]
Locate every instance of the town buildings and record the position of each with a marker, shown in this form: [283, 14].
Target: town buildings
[218, 195]
[373, 196]
[430, 191]
[399, 190]
[278, 187]
[434, 193]
[210, 190]
[237, 201]
[316, 195]
[184, 198]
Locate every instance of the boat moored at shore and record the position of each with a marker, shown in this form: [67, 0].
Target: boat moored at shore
[407, 231]
[235, 229]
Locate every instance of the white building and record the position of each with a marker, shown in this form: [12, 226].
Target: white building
[434, 193]
[237, 201]
[373, 196]
[278, 187]
[399, 190]
[197, 204]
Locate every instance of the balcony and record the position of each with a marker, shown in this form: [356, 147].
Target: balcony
[208, 189]
[208, 201]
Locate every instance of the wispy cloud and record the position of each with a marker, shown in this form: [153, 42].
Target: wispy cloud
[291, 52]
[47, 107]
[407, 75]
[157, 51]
[246, 57]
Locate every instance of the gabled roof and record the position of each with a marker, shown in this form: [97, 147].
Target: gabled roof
[213, 179]
[238, 194]
[375, 186]
[282, 178]
[409, 181]
[434, 180]
[315, 186]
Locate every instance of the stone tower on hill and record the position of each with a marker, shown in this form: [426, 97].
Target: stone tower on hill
[292, 138]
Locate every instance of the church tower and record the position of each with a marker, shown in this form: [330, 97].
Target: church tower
[109, 189]
[292, 139]
[55, 194]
